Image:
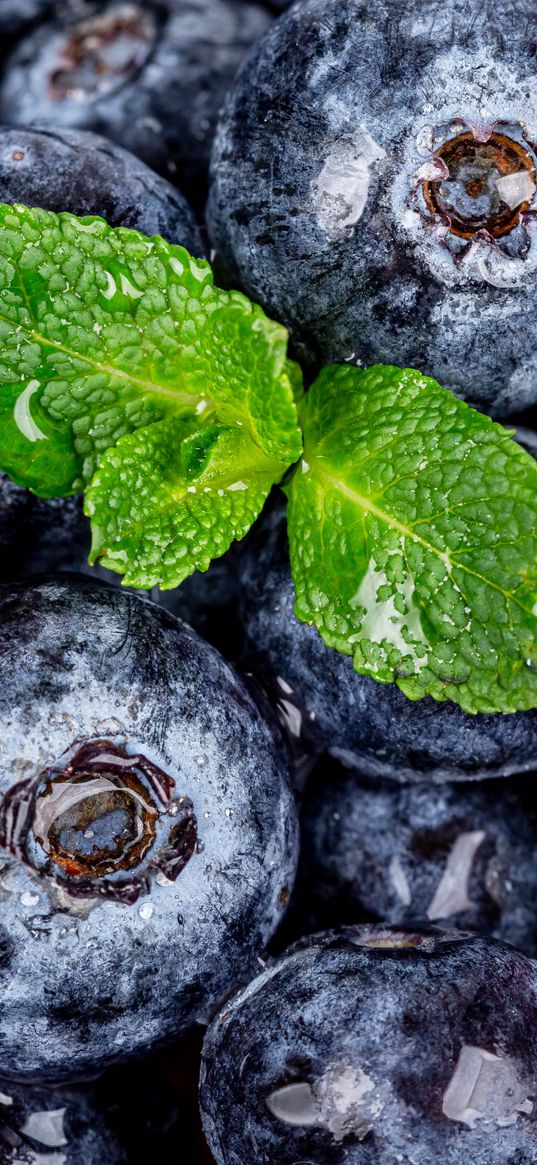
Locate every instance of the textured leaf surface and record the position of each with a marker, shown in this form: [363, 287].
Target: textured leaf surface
[413, 534]
[104, 331]
[169, 498]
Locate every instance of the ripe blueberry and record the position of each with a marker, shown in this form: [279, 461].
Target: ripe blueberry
[147, 828]
[377, 1046]
[375, 188]
[78, 171]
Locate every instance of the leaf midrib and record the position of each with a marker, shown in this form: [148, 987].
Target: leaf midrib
[368, 506]
[179, 397]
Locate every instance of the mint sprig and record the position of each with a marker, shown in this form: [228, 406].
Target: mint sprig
[123, 368]
[103, 332]
[413, 535]
[412, 518]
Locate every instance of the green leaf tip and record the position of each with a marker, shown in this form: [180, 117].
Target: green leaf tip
[413, 537]
[187, 493]
[105, 333]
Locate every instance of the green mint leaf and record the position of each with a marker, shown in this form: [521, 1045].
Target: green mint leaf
[104, 331]
[170, 497]
[413, 535]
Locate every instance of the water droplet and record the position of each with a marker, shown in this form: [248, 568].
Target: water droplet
[347, 1101]
[110, 286]
[229, 813]
[399, 881]
[46, 1127]
[451, 895]
[23, 417]
[146, 911]
[485, 1087]
[294, 1105]
[129, 289]
[291, 716]
[340, 191]
[200, 847]
[29, 899]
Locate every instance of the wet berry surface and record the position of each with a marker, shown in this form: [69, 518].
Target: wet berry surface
[256, 908]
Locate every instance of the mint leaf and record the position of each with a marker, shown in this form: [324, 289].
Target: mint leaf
[104, 331]
[413, 535]
[170, 497]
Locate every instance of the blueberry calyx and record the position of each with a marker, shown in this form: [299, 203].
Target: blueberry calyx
[102, 53]
[419, 939]
[484, 186]
[89, 822]
[94, 824]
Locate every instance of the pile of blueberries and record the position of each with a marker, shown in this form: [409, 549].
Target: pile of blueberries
[368, 173]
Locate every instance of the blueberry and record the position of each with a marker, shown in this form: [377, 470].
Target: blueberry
[83, 173]
[53, 1127]
[147, 828]
[150, 76]
[464, 857]
[375, 188]
[377, 1046]
[329, 707]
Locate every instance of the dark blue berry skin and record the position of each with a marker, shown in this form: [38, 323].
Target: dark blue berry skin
[78, 171]
[51, 535]
[326, 149]
[150, 76]
[40, 535]
[405, 1048]
[53, 1127]
[528, 439]
[100, 962]
[369, 726]
[208, 601]
[375, 850]
[17, 16]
